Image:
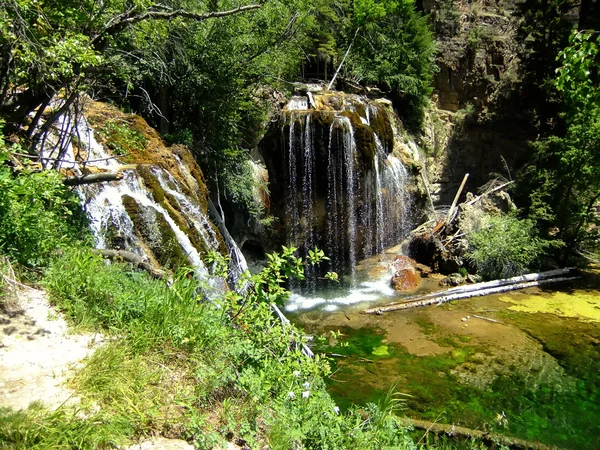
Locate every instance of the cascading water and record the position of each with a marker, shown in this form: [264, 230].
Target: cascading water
[118, 211]
[343, 190]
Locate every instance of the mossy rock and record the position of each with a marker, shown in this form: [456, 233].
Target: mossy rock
[156, 233]
[366, 145]
[151, 183]
[381, 124]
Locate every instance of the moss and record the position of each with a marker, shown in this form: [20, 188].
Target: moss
[151, 183]
[156, 233]
[323, 119]
[172, 206]
[365, 142]
[381, 124]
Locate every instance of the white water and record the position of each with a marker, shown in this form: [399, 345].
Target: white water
[362, 294]
[298, 103]
[103, 202]
[365, 209]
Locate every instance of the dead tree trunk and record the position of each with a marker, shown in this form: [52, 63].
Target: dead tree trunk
[487, 438]
[133, 258]
[93, 178]
[477, 290]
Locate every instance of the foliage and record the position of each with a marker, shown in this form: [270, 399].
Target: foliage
[38, 214]
[564, 177]
[543, 33]
[577, 78]
[394, 50]
[505, 247]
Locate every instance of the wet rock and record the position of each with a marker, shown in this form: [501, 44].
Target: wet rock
[406, 277]
[447, 263]
[423, 270]
[406, 280]
[472, 278]
[454, 279]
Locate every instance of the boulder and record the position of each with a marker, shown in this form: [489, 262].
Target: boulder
[406, 277]
[454, 279]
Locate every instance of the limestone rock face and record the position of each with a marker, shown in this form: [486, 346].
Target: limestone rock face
[336, 179]
[158, 209]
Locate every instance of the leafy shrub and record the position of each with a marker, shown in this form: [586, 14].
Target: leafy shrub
[505, 247]
[38, 214]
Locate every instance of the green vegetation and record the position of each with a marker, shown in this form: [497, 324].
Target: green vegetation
[37, 213]
[563, 179]
[393, 49]
[505, 246]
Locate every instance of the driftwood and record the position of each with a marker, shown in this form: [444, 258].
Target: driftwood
[491, 284]
[456, 197]
[488, 319]
[487, 438]
[133, 258]
[491, 191]
[93, 178]
[478, 289]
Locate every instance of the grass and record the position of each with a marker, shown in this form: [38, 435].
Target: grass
[177, 365]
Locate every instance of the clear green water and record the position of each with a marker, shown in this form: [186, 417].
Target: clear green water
[536, 376]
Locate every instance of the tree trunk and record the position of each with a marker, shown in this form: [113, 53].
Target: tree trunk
[133, 258]
[477, 290]
[494, 439]
[93, 178]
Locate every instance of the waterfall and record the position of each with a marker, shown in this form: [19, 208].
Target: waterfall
[110, 205]
[343, 190]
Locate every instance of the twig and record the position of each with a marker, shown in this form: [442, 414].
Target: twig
[488, 319]
[479, 197]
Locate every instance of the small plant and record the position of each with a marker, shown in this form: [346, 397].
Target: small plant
[38, 214]
[475, 38]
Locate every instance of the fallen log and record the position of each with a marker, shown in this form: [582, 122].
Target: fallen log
[485, 437]
[491, 284]
[463, 295]
[93, 178]
[133, 258]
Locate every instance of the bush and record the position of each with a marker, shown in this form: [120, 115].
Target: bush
[38, 214]
[506, 246]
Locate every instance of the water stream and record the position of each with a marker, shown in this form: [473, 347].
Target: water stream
[344, 191]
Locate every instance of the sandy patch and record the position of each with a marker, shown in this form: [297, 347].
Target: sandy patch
[37, 352]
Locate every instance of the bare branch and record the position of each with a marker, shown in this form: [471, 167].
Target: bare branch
[122, 21]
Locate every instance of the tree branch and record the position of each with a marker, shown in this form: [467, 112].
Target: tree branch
[93, 178]
[125, 20]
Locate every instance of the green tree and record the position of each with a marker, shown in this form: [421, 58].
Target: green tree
[394, 50]
[59, 46]
[564, 177]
